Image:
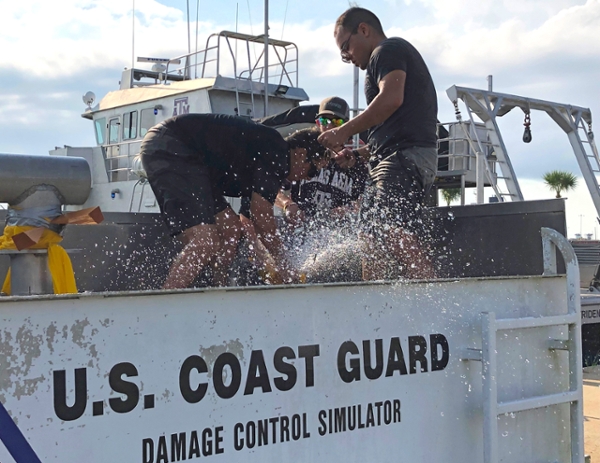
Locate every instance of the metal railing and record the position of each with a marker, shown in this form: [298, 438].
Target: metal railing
[199, 62]
[552, 242]
[118, 158]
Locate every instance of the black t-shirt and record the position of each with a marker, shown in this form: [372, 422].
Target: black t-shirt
[413, 123]
[243, 156]
[332, 187]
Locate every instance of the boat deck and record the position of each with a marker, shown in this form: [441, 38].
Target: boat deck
[591, 412]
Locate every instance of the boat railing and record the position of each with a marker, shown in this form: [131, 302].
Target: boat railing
[462, 147]
[459, 152]
[118, 159]
[244, 64]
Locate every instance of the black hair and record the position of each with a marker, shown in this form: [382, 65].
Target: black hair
[352, 17]
[307, 138]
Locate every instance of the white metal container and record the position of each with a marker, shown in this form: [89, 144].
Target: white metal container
[413, 372]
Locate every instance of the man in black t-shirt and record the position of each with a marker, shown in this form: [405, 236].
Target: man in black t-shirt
[401, 119]
[194, 160]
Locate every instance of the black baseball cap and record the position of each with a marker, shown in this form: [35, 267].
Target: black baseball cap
[334, 107]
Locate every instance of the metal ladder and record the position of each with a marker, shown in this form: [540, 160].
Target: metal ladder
[492, 409]
[488, 105]
[588, 159]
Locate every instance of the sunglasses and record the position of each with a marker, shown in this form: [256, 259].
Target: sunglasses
[335, 121]
[346, 58]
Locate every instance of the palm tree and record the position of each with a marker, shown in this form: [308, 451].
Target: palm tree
[559, 180]
[450, 194]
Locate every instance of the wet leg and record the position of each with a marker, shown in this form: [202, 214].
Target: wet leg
[229, 228]
[201, 243]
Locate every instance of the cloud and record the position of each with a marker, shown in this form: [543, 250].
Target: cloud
[82, 34]
[537, 48]
[512, 43]
[465, 14]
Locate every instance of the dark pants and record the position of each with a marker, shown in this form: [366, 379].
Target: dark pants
[399, 185]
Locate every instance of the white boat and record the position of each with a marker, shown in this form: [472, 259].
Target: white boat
[483, 365]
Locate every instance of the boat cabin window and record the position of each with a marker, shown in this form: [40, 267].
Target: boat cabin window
[130, 125]
[113, 130]
[100, 125]
[147, 120]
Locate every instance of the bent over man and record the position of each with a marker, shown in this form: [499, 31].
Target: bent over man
[401, 118]
[193, 161]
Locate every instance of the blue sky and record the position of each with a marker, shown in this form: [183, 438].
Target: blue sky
[538, 48]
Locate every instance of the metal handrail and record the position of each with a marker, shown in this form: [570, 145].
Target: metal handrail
[284, 59]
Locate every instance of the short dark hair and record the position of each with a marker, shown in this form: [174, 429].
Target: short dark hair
[352, 17]
[307, 138]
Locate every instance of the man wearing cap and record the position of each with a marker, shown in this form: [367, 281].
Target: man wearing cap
[325, 196]
[194, 160]
[401, 118]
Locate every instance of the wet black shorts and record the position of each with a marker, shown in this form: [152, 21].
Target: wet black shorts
[180, 181]
[397, 191]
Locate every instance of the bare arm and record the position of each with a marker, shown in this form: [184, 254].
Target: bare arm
[389, 99]
[346, 159]
[292, 212]
[264, 223]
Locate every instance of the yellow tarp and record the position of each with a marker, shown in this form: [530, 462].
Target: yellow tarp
[59, 263]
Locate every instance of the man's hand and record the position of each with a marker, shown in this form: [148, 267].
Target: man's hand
[345, 158]
[293, 214]
[333, 139]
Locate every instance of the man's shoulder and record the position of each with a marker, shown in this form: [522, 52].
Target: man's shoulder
[211, 120]
[394, 45]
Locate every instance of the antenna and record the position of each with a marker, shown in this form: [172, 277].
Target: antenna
[237, 9]
[266, 58]
[196, 55]
[133, 34]
[188, 26]
[284, 17]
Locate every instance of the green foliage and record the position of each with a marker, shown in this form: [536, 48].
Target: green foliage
[450, 194]
[559, 180]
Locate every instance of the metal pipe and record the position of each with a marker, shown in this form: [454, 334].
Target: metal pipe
[71, 176]
[30, 273]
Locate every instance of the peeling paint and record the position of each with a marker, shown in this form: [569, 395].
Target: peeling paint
[51, 333]
[28, 387]
[167, 395]
[6, 358]
[17, 358]
[210, 354]
[93, 351]
[77, 330]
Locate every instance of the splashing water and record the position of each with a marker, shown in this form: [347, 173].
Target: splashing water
[330, 255]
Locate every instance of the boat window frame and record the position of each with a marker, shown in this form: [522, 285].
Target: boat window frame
[113, 122]
[100, 127]
[153, 116]
[130, 123]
